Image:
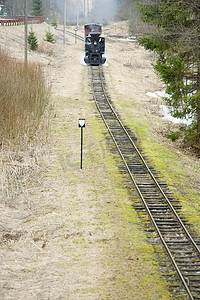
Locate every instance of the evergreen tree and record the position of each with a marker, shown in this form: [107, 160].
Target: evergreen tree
[49, 37]
[32, 40]
[176, 42]
[37, 8]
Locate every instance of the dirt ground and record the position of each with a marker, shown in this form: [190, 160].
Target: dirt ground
[73, 234]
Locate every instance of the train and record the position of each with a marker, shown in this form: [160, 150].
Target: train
[94, 45]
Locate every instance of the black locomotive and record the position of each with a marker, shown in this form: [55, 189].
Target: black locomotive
[94, 45]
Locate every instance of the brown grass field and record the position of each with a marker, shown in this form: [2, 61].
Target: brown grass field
[24, 96]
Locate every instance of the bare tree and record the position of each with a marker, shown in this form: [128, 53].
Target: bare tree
[14, 8]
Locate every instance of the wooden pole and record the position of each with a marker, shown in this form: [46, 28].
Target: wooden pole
[87, 10]
[65, 17]
[84, 11]
[26, 31]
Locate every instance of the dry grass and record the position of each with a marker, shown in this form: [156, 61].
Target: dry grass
[46, 48]
[24, 96]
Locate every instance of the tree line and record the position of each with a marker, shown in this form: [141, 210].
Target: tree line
[174, 35]
[176, 41]
[51, 9]
[35, 7]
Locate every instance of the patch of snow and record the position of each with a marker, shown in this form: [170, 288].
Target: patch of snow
[128, 39]
[82, 55]
[165, 110]
[158, 94]
[167, 116]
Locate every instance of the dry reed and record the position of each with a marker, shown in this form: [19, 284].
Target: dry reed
[24, 124]
[23, 97]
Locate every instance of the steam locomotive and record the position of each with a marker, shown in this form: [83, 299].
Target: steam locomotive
[94, 45]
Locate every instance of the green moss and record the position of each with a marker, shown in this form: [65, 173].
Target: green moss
[166, 162]
[136, 239]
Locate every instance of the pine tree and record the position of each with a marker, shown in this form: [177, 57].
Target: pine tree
[37, 8]
[176, 42]
[49, 37]
[32, 40]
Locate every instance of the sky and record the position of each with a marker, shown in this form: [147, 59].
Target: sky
[97, 11]
[104, 10]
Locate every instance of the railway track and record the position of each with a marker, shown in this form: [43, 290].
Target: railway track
[75, 35]
[156, 199]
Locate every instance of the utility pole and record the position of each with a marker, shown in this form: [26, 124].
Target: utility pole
[64, 29]
[77, 20]
[26, 31]
[87, 10]
[84, 11]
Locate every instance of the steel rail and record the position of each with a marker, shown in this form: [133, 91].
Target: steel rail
[137, 187]
[75, 35]
[149, 171]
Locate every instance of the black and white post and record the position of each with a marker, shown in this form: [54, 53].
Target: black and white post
[81, 123]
